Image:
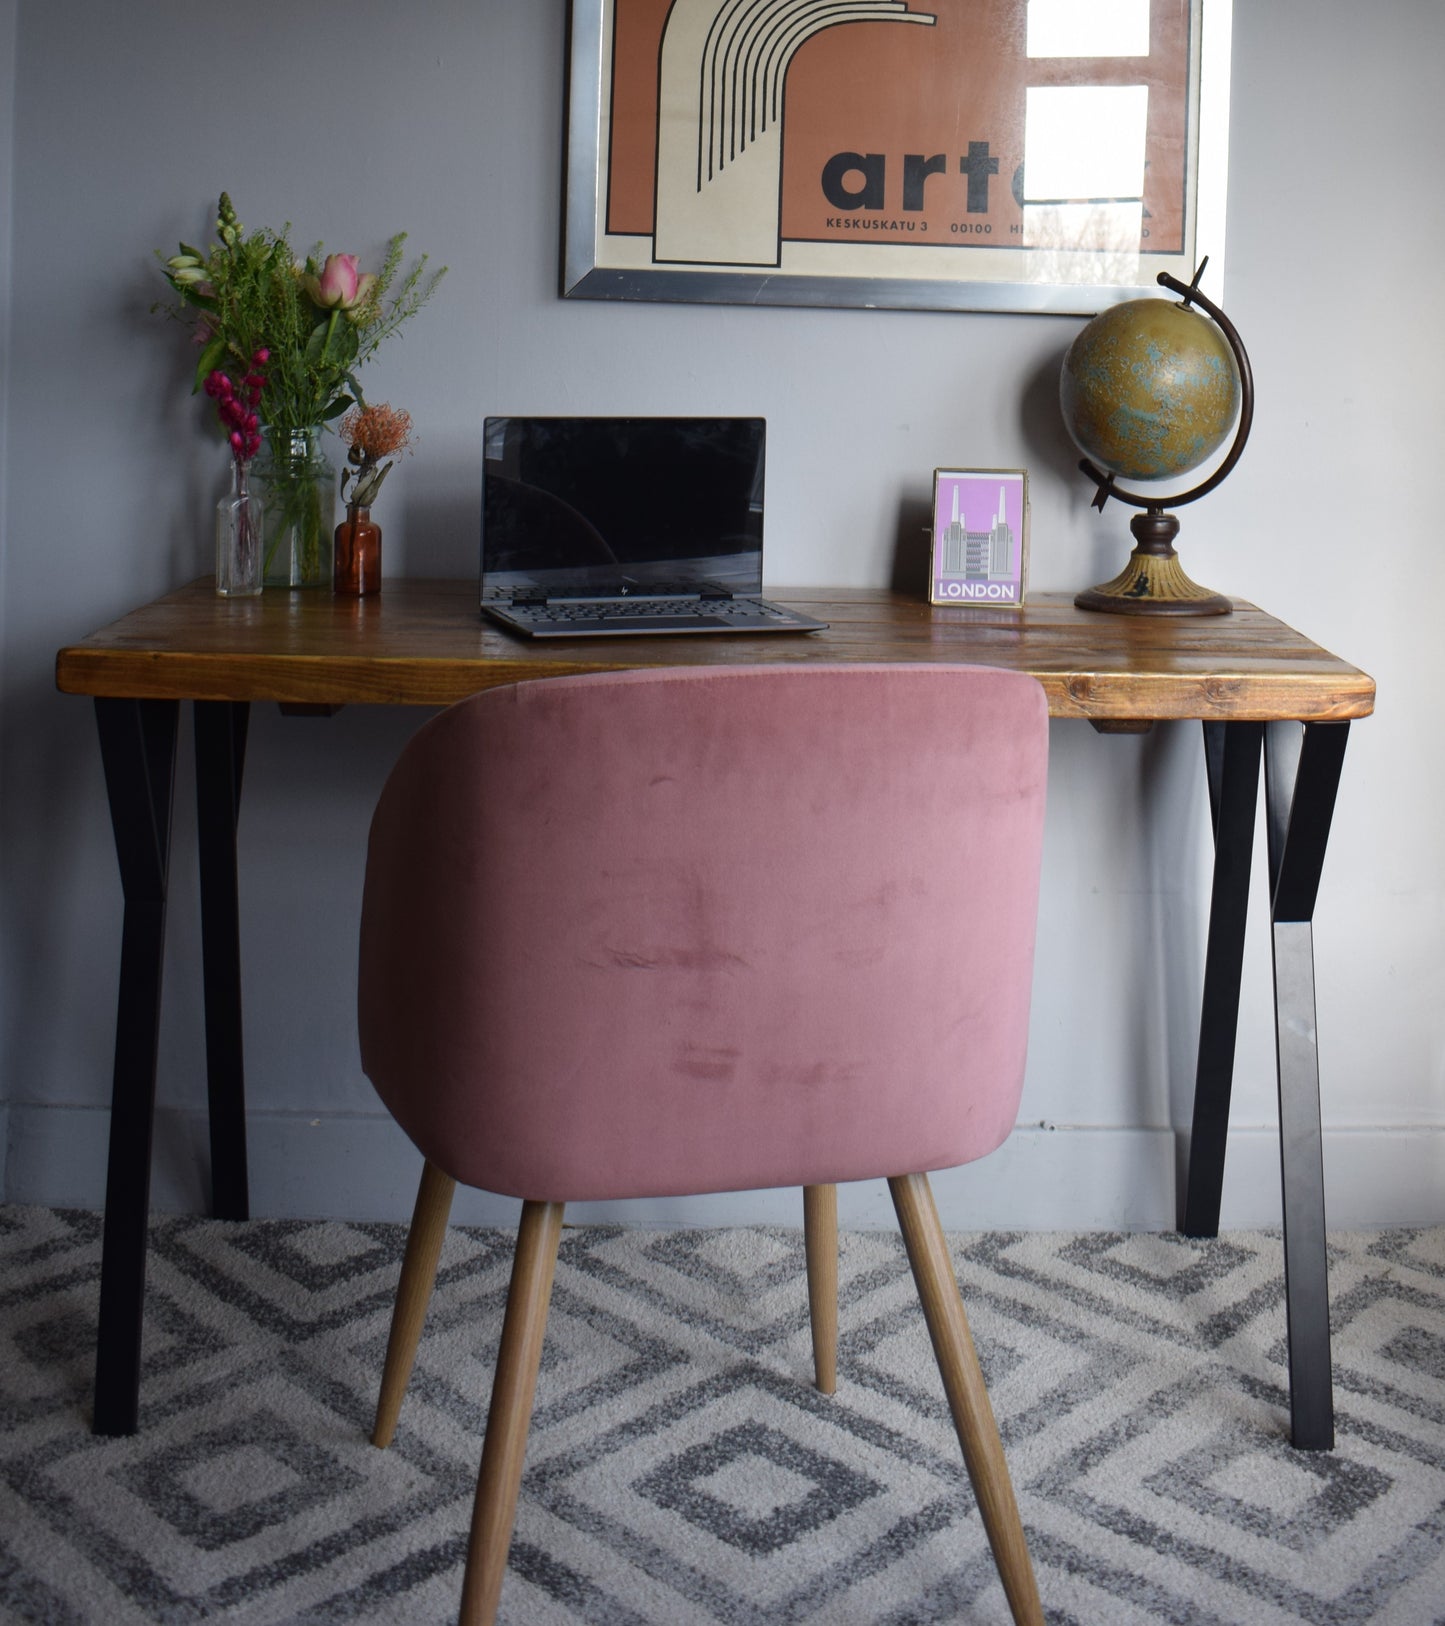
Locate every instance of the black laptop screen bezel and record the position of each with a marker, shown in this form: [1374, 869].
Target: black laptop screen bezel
[581, 506]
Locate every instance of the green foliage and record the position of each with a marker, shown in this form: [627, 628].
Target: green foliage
[251, 295]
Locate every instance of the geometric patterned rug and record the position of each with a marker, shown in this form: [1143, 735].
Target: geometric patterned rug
[681, 1468]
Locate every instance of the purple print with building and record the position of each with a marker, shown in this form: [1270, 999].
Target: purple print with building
[980, 536]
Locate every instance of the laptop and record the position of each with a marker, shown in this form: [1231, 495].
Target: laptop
[599, 527]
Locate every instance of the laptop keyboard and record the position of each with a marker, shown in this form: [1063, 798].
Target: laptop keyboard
[577, 618]
[649, 614]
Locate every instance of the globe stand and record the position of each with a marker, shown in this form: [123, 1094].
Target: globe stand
[1153, 582]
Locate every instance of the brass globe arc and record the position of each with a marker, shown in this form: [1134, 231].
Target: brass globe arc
[1153, 582]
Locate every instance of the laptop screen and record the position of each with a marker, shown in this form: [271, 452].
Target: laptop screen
[619, 504]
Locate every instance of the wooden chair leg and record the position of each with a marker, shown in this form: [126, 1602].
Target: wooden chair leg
[413, 1294]
[967, 1396]
[820, 1243]
[510, 1415]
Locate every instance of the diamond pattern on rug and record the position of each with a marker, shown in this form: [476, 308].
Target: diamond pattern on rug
[633, 1489]
[216, 1489]
[683, 1470]
[1312, 1501]
[755, 1488]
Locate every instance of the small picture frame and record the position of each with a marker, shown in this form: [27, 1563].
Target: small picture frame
[980, 537]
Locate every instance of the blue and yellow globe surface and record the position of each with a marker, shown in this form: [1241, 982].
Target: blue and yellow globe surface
[1149, 389]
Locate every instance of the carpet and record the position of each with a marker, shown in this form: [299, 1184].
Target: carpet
[682, 1469]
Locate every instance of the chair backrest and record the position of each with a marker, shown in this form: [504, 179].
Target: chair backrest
[693, 930]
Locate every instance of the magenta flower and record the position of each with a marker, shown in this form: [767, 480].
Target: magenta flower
[339, 286]
[236, 407]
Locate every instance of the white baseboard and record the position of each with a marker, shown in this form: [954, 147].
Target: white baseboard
[1043, 1178]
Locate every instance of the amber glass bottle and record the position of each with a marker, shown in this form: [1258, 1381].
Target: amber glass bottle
[358, 554]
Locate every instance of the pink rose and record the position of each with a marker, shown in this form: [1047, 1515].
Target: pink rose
[340, 286]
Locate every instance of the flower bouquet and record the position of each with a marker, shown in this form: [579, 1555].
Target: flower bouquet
[319, 321]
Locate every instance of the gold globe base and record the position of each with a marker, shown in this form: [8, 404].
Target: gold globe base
[1153, 582]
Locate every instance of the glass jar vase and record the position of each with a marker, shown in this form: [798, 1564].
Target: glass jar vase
[296, 483]
[238, 537]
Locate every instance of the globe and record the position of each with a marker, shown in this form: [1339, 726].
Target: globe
[1149, 389]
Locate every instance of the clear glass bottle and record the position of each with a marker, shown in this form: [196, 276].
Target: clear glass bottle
[238, 537]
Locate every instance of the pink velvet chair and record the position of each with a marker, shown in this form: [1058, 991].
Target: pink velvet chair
[691, 930]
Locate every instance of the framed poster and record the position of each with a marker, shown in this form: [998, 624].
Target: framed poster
[980, 537]
[1014, 155]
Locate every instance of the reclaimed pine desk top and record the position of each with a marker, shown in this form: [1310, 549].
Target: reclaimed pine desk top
[424, 643]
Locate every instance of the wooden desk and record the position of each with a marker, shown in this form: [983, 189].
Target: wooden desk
[1260, 689]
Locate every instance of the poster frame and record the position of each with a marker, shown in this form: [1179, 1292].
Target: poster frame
[597, 265]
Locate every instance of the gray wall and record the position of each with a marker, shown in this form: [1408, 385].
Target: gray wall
[445, 119]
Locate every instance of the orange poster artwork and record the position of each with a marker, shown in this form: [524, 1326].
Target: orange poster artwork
[1012, 154]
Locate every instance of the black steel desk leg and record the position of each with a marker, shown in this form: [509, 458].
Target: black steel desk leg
[1302, 775]
[220, 756]
[138, 749]
[1232, 757]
